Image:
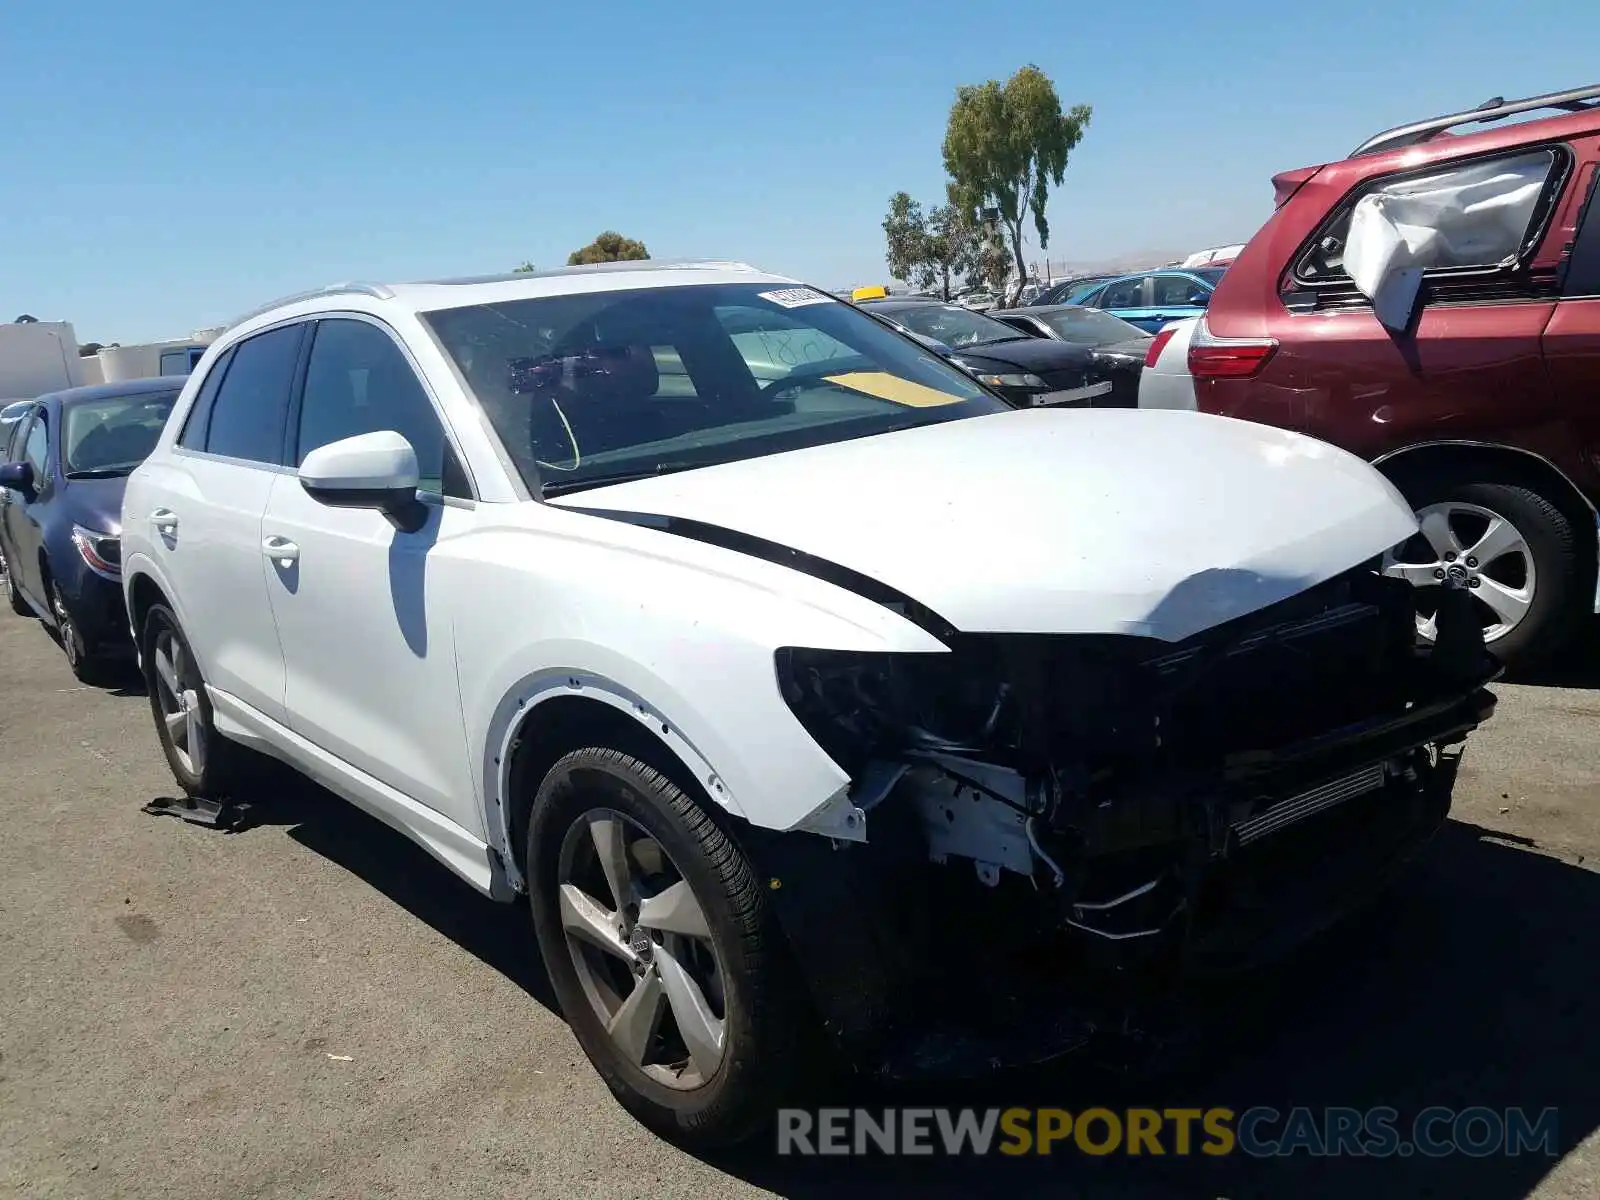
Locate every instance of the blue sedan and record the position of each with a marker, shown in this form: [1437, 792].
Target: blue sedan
[63, 466]
[1153, 299]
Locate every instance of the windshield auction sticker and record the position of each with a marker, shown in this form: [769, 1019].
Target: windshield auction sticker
[797, 297]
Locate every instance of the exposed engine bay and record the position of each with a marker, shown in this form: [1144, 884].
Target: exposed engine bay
[1150, 803]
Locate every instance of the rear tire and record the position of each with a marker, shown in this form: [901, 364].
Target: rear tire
[205, 764]
[1550, 578]
[745, 977]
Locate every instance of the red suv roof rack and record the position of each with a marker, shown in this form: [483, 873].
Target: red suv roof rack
[1576, 100]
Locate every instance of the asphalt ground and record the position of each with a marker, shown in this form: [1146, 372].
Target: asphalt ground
[314, 1008]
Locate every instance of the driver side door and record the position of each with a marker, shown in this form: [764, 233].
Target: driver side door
[363, 609]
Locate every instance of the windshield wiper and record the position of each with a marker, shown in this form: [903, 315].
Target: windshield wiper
[557, 487]
[100, 473]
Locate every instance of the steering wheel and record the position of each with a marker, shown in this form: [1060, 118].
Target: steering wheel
[810, 373]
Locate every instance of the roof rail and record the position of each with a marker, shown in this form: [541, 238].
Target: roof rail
[376, 290]
[1577, 100]
[630, 264]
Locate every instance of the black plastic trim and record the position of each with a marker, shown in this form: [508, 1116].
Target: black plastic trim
[864, 586]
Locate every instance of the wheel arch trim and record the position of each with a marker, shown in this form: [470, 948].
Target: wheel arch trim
[519, 708]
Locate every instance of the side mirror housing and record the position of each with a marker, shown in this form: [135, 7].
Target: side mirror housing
[373, 470]
[18, 476]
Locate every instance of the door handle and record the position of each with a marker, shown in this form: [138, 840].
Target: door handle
[164, 520]
[281, 550]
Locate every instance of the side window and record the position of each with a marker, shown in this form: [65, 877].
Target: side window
[1127, 294]
[1479, 215]
[36, 450]
[1177, 291]
[246, 419]
[193, 434]
[1092, 299]
[358, 381]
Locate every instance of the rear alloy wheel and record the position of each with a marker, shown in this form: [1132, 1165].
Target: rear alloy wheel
[1513, 552]
[203, 762]
[662, 950]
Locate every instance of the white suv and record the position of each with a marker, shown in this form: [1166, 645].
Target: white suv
[796, 679]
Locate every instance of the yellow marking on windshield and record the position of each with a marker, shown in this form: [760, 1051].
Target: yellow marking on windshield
[896, 390]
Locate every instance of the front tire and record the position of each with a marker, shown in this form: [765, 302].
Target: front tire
[1517, 552]
[205, 764]
[84, 666]
[13, 597]
[662, 950]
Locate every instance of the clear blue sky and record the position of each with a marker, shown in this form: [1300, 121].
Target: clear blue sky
[164, 166]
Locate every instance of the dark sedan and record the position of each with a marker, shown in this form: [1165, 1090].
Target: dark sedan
[1026, 370]
[64, 467]
[1117, 347]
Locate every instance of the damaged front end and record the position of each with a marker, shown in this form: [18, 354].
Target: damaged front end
[1101, 815]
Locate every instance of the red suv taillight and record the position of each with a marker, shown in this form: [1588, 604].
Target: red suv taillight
[1158, 344]
[1212, 357]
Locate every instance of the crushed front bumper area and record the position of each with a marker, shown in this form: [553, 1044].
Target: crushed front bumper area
[1142, 819]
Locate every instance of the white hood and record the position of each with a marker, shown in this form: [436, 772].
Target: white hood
[1038, 521]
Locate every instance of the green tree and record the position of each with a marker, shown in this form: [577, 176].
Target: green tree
[905, 232]
[524, 269]
[1005, 145]
[610, 246]
[931, 250]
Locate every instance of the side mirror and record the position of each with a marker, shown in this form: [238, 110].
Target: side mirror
[373, 470]
[1381, 257]
[18, 476]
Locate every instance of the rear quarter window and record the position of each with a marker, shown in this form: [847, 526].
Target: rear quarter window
[1472, 216]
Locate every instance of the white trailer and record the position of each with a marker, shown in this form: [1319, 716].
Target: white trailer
[38, 357]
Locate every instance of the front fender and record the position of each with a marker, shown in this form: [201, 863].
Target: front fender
[689, 653]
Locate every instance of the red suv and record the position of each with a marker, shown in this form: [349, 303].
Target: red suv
[1432, 303]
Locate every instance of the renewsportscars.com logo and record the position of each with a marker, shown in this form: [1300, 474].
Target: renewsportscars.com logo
[1258, 1132]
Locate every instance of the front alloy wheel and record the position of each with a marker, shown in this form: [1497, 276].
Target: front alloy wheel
[72, 644]
[663, 951]
[642, 950]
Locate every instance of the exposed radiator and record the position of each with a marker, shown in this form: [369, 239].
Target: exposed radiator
[1296, 808]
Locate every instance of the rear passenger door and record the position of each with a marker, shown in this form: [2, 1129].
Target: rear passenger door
[204, 508]
[1174, 298]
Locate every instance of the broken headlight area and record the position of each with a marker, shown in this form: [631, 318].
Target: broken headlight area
[1134, 805]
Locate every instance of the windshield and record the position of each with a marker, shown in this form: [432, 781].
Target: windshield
[113, 436]
[952, 325]
[1212, 275]
[595, 387]
[1090, 327]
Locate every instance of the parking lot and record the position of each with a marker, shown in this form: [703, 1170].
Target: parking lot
[312, 1008]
